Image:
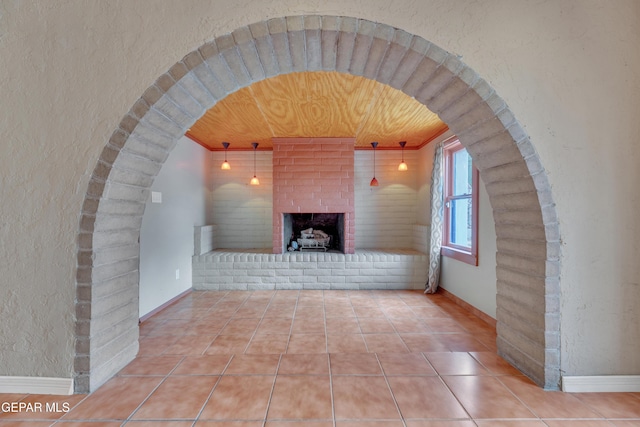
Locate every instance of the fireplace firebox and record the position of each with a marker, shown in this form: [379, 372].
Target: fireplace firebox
[313, 231]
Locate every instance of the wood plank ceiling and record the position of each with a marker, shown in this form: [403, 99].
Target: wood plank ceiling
[317, 104]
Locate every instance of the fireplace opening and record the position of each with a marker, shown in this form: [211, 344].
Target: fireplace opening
[313, 232]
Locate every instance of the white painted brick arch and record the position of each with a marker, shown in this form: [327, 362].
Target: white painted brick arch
[528, 267]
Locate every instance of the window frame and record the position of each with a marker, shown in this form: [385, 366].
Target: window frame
[468, 255]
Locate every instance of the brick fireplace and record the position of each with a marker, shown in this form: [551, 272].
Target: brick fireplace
[313, 176]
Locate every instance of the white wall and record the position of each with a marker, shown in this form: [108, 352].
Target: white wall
[166, 235]
[242, 212]
[425, 166]
[385, 215]
[476, 285]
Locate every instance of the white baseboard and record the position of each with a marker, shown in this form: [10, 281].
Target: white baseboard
[165, 305]
[36, 385]
[602, 383]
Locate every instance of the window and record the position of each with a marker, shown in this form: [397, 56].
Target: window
[460, 237]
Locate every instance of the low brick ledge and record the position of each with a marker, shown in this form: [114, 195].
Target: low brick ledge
[251, 269]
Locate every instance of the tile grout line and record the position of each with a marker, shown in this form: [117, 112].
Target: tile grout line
[386, 380]
[255, 331]
[206, 402]
[497, 377]
[293, 319]
[389, 319]
[386, 317]
[232, 356]
[455, 396]
[146, 399]
[366, 346]
[209, 310]
[165, 377]
[273, 387]
[333, 408]
[324, 324]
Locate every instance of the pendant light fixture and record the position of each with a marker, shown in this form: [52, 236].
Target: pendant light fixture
[254, 180]
[374, 181]
[225, 165]
[402, 166]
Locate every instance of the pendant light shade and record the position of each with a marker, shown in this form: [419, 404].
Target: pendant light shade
[225, 165]
[374, 181]
[402, 166]
[254, 180]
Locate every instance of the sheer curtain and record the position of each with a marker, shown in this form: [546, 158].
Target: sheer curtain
[437, 207]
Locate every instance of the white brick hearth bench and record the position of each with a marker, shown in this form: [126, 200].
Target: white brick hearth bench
[250, 269]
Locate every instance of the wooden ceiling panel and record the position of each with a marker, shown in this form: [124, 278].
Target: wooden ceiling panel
[396, 117]
[322, 104]
[236, 119]
[304, 104]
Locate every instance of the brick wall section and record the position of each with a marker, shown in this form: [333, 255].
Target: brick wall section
[366, 269]
[313, 175]
[204, 239]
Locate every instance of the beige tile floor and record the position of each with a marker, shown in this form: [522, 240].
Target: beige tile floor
[321, 359]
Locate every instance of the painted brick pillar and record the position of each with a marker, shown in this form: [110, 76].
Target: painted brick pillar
[313, 175]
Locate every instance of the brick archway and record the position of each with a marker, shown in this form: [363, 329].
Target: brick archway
[528, 242]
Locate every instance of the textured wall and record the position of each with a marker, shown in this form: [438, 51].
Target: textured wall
[166, 232]
[566, 69]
